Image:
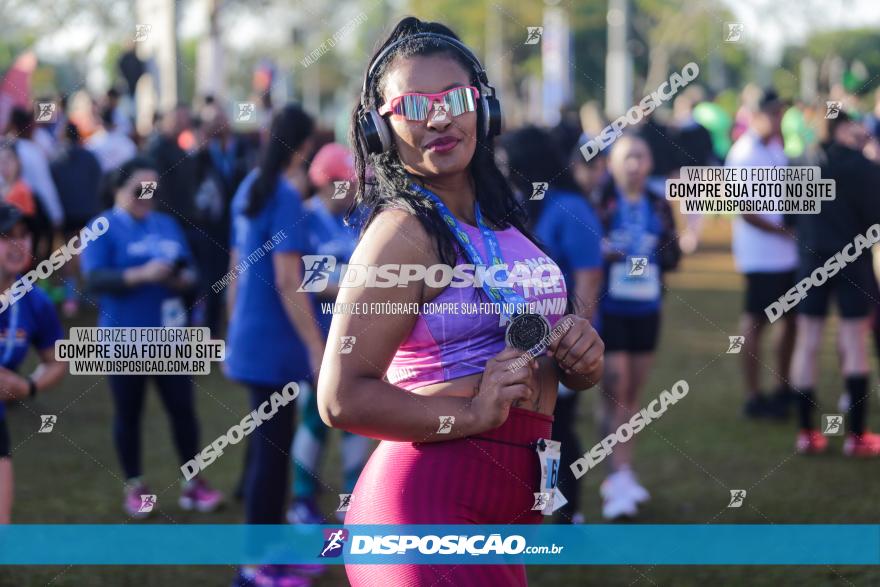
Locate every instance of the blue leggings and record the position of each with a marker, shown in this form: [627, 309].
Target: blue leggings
[176, 392]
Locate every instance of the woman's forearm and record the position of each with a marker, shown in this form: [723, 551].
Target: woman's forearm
[587, 284]
[580, 381]
[377, 409]
[298, 307]
[110, 280]
[48, 374]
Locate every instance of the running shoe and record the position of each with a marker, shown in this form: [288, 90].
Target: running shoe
[862, 445]
[811, 442]
[688, 242]
[133, 503]
[269, 576]
[779, 403]
[304, 511]
[631, 486]
[198, 495]
[617, 501]
[305, 570]
[774, 407]
[789, 395]
[755, 406]
[618, 507]
[244, 577]
[578, 518]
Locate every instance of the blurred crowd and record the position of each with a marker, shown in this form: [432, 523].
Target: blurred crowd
[59, 172]
[594, 216]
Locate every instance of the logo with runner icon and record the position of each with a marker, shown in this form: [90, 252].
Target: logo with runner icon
[334, 541]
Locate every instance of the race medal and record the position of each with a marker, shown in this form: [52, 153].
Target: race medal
[526, 331]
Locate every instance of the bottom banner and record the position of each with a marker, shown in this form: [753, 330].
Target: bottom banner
[545, 544]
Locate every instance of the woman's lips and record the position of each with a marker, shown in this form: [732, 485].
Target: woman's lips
[442, 145]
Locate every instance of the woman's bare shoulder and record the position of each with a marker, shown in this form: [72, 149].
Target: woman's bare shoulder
[396, 236]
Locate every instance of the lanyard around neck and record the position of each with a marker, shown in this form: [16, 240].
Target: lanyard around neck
[503, 295]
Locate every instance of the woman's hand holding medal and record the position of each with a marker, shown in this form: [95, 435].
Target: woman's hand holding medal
[506, 380]
[580, 350]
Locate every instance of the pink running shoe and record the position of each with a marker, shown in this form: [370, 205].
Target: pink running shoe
[305, 570]
[138, 502]
[862, 445]
[198, 495]
[270, 576]
[811, 442]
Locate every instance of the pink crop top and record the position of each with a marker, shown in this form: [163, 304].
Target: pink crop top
[452, 344]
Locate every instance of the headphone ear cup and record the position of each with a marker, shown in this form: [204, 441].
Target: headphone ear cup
[375, 132]
[491, 116]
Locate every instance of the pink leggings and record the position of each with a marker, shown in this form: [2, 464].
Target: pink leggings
[490, 478]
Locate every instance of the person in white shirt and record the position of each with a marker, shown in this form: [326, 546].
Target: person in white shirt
[34, 166]
[765, 251]
[111, 145]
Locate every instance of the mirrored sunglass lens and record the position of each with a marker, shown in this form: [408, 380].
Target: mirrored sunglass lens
[460, 100]
[413, 107]
[417, 107]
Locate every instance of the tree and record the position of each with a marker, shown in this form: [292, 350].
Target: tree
[850, 45]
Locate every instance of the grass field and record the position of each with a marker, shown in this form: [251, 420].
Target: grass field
[689, 459]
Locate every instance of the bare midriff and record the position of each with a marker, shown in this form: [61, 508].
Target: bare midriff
[544, 383]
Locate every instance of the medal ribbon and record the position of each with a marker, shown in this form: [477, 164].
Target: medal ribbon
[502, 295]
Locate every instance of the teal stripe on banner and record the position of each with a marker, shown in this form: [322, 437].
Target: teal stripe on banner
[161, 544]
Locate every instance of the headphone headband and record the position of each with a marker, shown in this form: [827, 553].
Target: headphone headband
[481, 73]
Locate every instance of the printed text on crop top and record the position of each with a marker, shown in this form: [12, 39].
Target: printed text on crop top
[449, 345]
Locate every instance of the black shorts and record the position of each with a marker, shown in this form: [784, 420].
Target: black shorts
[631, 334]
[762, 289]
[852, 286]
[4, 438]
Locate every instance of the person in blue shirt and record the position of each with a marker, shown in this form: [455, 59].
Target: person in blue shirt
[77, 175]
[274, 338]
[570, 233]
[222, 163]
[640, 244]
[29, 322]
[332, 174]
[140, 269]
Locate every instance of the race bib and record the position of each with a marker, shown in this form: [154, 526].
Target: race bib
[549, 499]
[173, 313]
[635, 283]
